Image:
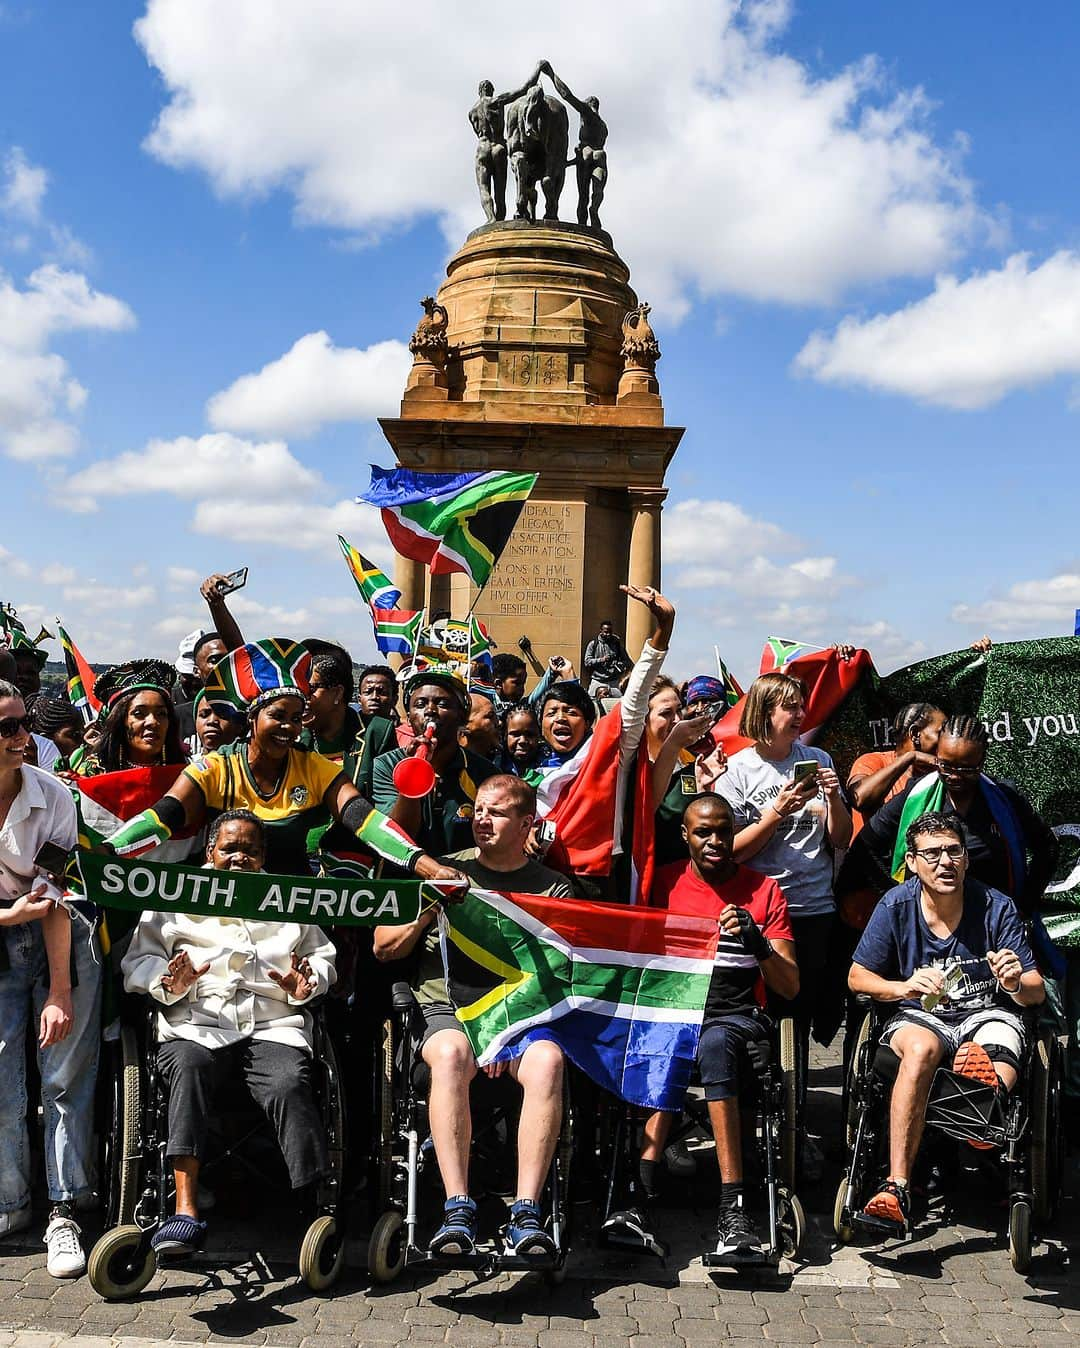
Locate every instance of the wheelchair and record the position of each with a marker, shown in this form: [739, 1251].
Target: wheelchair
[138, 1181]
[404, 1151]
[775, 1140]
[1019, 1136]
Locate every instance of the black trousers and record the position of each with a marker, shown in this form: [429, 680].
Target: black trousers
[279, 1079]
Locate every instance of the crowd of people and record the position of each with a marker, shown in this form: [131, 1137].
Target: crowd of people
[915, 881]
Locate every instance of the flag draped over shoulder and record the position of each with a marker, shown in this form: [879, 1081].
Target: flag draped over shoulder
[580, 797]
[374, 585]
[112, 798]
[449, 521]
[80, 678]
[829, 681]
[621, 990]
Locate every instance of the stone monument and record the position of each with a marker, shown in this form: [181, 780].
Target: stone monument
[536, 355]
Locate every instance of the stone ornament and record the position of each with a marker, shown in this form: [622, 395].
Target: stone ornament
[428, 342]
[639, 345]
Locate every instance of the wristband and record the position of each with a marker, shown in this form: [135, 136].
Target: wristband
[779, 814]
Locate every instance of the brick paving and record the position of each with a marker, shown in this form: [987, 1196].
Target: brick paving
[953, 1285]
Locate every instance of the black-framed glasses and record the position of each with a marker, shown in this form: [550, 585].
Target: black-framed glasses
[11, 725]
[956, 769]
[954, 851]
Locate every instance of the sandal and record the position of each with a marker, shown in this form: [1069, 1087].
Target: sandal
[179, 1235]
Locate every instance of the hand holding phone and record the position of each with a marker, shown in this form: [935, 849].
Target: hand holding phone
[804, 770]
[234, 580]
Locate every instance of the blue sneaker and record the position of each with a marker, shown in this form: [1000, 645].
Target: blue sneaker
[179, 1236]
[525, 1235]
[457, 1235]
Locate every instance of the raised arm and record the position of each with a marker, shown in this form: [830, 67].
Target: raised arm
[225, 625]
[562, 89]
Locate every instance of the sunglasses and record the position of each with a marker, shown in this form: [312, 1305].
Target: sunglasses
[956, 769]
[11, 725]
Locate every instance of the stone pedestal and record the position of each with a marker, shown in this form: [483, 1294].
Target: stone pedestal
[533, 383]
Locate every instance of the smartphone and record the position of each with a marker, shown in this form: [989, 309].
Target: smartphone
[52, 858]
[235, 580]
[557, 662]
[804, 770]
[545, 834]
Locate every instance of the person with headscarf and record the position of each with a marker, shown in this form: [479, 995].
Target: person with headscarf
[139, 727]
[291, 790]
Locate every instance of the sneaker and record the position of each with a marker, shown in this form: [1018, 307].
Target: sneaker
[973, 1061]
[10, 1222]
[457, 1235]
[678, 1161]
[65, 1257]
[892, 1204]
[735, 1232]
[525, 1235]
[179, 1236]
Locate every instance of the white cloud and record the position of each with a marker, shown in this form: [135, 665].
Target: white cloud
[305, 526]
[182, 578]
[13, 566]
[1030, 607]
[24, 186]
[313, 383]
[93, 596]
[891, 648]
[968, 343]
[38, 394]
[55, 573]
[810, 184]
[701, 532]
[190, 468]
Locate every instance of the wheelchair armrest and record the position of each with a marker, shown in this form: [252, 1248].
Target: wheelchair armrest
[402, 997]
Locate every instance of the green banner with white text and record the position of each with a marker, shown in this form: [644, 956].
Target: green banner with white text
[1028, 694]
[326, 901]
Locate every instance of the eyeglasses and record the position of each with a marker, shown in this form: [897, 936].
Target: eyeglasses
[932, 855]
[956, 769]
[11, 725]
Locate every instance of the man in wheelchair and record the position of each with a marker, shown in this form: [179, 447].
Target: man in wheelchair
[756, 951]
[503, 816]
[952, 954]
[232, 999]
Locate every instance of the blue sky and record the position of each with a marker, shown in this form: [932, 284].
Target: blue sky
[190, 188]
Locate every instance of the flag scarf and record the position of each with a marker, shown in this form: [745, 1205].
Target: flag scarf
[449, 521]
[80, 678]
[621, 990]
[375, 587]
[579, 796]
[396, 629]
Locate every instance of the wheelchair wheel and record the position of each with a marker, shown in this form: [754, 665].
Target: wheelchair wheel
[790, 1223]
[1047, 1135]
[845, 1232]
[115, 1268]
[322, 1255]
[789, 1149]
[385, 1087]
[1020, 1235]
[386, 1248]
[851, 1111]
[123, 1150]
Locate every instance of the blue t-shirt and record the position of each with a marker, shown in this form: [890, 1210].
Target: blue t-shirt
[897, 941]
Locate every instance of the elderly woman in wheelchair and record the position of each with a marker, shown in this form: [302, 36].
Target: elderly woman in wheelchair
[952, 957]
[233, 998]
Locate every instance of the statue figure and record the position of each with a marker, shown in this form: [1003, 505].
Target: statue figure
[590, 156]
[429, 342]
[639, 346]
[537, 137]
[486, 116]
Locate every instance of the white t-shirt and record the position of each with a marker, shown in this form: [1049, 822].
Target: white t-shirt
[43, 811]
[797, 856]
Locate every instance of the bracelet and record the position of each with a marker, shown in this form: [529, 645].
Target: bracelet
[779, 814]
[1012, 991]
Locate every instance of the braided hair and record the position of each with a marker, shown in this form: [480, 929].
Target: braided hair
[967, 728]
[911, 718]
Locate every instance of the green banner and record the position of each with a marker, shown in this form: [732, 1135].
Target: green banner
[137, 886]
[1028, 694]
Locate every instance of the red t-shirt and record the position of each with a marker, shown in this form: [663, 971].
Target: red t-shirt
[737, 983]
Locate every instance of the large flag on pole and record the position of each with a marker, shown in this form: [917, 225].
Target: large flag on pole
[375, 587]
[449, 521]
[621, 990]
[80, 678]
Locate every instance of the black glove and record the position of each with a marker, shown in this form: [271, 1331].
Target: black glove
[751, 937]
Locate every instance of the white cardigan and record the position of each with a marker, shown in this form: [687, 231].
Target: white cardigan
[235, 999]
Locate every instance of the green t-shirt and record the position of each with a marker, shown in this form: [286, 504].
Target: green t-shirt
[532, 878]
[445, 815]
[356, 749]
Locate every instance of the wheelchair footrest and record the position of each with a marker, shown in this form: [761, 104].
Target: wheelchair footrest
[881, 1226]
[745, 1259]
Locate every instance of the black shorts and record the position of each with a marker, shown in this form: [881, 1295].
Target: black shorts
[437, 1016]
[726, 1048]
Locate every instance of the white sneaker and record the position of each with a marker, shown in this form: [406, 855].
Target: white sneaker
[10, 1222]
[66, 1258]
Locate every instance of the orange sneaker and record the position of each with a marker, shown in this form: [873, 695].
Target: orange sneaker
[973, 1061]
[892, 1203]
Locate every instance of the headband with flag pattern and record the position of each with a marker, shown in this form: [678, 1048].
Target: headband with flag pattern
[260, 671]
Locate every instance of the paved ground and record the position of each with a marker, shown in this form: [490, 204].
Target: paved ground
[954, 1285]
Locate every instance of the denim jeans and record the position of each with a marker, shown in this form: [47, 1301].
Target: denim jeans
[68, 1069]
